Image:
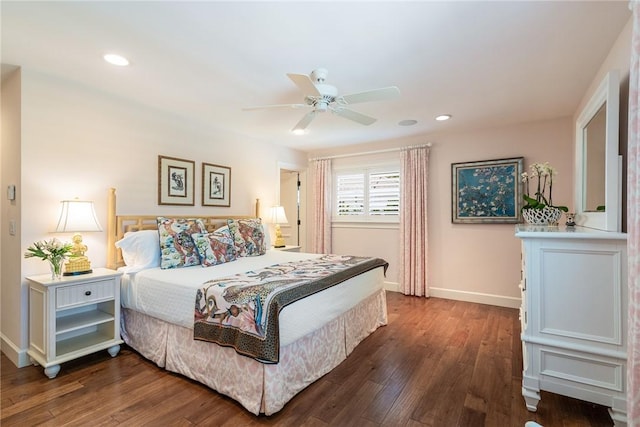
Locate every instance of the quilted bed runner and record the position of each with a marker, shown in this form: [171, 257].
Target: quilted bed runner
[241, 311]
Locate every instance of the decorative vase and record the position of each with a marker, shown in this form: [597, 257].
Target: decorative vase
[545, 216]
[56, 267]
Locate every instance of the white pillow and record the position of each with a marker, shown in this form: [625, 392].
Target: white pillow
[140, 249]
[267, 236]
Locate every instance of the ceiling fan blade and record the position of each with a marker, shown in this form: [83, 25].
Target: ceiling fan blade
[305, 84]
[353, 115]
[381, 94]
[264, 107]
[304, 122]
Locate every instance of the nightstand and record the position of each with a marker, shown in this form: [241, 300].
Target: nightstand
[73, 317]
[289, 248]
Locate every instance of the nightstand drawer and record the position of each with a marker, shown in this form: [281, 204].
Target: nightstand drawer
[85, 293]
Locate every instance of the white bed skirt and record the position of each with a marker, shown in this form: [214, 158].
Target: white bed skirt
[260, 388]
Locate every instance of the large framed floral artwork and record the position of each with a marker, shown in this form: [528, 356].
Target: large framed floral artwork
[175, 181]
[216, 185]
[487, 191]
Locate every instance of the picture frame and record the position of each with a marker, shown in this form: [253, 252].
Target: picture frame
[216, 185]
[487, 191]
[175, 181]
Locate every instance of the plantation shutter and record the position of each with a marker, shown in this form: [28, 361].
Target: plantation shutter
[384, 193]
[350, 194]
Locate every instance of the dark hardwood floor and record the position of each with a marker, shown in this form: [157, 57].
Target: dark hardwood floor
[437, 363]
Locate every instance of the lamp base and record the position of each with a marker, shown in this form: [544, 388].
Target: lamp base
[279, 243]
[77, 265]
[76, 273]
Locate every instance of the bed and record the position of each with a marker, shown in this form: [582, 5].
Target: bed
[316, 333]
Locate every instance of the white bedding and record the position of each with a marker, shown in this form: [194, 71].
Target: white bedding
[169, 295]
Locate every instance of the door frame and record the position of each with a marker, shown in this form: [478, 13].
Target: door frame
[302, 205]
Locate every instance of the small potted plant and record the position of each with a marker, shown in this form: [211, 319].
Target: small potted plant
[53, 251]
[540, 209]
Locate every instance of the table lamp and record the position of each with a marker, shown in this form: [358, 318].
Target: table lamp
[77, 216]
[278, 217]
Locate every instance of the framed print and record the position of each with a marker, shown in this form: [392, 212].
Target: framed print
[488, 191]
[175, 181]
[216, 185]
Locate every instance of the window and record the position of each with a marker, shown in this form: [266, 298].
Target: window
[350, 194]
[367, 194]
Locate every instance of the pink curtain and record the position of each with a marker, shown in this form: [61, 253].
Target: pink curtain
[321, 227]
[414, 178]
[633, 227]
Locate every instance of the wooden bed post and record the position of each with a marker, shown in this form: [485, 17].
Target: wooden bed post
[111, 229]
[257, 208]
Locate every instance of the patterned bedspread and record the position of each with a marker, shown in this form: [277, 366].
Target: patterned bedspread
[241, 311]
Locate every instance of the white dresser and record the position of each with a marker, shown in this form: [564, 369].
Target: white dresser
[574, 315]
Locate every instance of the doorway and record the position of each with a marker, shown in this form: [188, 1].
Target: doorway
[292, 198]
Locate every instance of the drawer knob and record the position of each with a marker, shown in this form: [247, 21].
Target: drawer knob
[87, 293]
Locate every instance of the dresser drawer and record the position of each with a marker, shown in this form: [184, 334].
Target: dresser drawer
[85, 293]
[592, 372]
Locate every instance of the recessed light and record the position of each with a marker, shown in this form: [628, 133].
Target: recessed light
[443, 117]
[114, 59]
[408, 122]
[298, 131]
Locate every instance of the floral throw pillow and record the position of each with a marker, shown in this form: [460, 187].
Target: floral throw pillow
[248, 236]
[215, 248]
[176, 244]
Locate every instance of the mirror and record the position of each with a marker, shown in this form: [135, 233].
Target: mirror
[597, 161]
[594, 162]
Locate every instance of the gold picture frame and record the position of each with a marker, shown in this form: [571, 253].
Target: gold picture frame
[216, 185]
[175, 181]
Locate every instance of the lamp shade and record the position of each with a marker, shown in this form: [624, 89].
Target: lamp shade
[277, 215]
[76, 216]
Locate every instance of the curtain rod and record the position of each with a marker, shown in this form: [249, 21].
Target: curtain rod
[364, 153]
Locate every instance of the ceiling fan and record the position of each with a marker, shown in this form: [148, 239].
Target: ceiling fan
[321, 97]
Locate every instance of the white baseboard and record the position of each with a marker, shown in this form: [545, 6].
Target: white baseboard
[481, 298]
[477, 297]
[392, 286]
[19, 357]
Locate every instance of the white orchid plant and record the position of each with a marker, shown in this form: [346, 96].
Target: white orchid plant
[542, 174]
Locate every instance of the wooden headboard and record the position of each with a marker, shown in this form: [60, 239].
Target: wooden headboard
[117, 225]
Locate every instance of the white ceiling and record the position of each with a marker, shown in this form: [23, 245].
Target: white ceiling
[486, 63]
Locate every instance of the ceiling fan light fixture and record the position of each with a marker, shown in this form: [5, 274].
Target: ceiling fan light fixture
[443, 117]
[322, 106]
[322, 97]
[115, 59]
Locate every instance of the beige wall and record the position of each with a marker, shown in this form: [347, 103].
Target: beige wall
[482, 262]
[12, 294]
[78, 142]
[474, 262]
[75, 141]
[376, 240]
